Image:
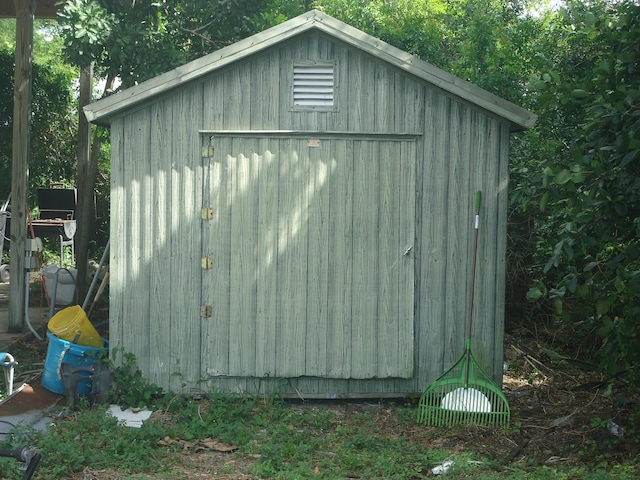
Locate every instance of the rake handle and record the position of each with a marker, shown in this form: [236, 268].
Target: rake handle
[473, 286]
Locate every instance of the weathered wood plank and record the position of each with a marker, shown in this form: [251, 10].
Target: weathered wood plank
[390, 259]
[285, 63]
[355, 103]
[467, 224]
[243, 261]
[236, 319]
[318, 259]
[484, 308]
[459, 230]
[210, 173]
[136, 296]
[410, 107]
[159, 240]
[236, 106]
[329, 52]
[264, 92]
[364, 314]
[213, 96]
[340, 267]
[501, 130]
[267, 252]
[406, 226]
[432, 240]
[293, 211]
[186, 185]
[382, 99]
[216, 348]
[313, 387]
[117, 250]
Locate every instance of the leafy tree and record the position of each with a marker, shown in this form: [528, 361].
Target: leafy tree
[135, 41]
[593, 196]
[416, 27]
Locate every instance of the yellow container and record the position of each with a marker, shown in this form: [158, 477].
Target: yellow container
[71, 321]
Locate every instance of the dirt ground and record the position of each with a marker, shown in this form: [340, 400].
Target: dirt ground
[552, 423]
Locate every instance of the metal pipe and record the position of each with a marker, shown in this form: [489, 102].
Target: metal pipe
[26, 306]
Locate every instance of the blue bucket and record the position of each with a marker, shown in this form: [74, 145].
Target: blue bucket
[60, 351]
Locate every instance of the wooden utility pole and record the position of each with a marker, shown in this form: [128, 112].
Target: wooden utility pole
[25, 12]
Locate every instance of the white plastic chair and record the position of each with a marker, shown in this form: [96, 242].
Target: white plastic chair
[8, 363]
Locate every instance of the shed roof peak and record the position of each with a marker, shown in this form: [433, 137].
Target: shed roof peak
[102, 111]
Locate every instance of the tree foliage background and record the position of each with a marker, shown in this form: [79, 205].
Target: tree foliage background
[586, 216]
[53, 113]
[574, 222]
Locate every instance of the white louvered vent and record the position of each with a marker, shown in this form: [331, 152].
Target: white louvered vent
[313, 85]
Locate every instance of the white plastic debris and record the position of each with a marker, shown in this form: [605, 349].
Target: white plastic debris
[129, 417]
[615, 429]
[442, 468]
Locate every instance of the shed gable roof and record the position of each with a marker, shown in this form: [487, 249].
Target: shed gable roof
[103, 111]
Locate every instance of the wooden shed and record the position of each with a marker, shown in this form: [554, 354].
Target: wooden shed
[293, 214]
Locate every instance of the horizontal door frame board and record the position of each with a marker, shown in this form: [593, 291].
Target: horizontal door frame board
[314, 134]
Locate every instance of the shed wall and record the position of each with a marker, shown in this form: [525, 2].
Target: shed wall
[157, 188]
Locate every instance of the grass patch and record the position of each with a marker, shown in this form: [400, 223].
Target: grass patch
[284, 441]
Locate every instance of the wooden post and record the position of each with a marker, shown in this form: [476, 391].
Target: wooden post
[84, 209]
[25, 10]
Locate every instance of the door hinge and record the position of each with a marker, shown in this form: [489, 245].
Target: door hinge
[206, 311]
[206, 213]
[207, 151]
[207, 263]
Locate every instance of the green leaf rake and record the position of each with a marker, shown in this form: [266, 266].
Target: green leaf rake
[465, 394]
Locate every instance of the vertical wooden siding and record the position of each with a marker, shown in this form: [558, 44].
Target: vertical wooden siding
[155, 300]
[156, 178]
[466, 151]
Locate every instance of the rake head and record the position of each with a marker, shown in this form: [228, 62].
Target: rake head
[464, 394]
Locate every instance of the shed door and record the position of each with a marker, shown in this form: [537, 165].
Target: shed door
[310, 272]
